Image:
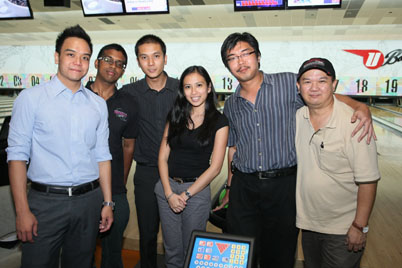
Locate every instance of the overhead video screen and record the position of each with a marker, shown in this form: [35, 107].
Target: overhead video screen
[102, 7]
[314, 3]
[253, 5]
[146, 6]
[15, 9]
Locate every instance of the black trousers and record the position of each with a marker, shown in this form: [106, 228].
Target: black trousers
[146, 204]
[68, 224]
[266, 210]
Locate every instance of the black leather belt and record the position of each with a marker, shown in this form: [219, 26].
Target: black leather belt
[272, 173]
[184, 180]
[146, 164]
[66, 190]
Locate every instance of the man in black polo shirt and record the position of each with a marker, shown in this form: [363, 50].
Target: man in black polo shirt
[123, 117]
[156, 94]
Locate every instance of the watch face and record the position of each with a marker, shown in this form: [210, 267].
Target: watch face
[365, 229]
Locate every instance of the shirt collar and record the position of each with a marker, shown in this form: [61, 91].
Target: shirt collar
[57, 87]
[170, 85]
[88, 86]
[266, 80]
[332, 120]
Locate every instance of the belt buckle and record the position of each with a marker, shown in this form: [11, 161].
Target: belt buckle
[266, 175]
[178, 180]
[70, 191]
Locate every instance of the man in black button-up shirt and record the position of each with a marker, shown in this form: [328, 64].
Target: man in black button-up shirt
[156, 94]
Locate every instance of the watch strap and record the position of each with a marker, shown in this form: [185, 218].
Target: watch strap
[363, 229]
[188, 194]
[109, 203]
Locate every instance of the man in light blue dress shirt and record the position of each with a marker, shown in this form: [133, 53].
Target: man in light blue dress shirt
[61, 130]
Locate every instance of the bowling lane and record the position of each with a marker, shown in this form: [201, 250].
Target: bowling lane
[384, 245]
[391, 107]
[386, 115]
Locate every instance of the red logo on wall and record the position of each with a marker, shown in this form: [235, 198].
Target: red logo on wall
[374, 59]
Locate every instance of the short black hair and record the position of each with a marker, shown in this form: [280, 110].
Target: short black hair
[150, 38]
[74, 31]
[232, 40]
[116, 47]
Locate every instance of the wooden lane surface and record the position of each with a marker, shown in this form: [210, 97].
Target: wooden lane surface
[391, 107]
[388, 116]
[384, 245]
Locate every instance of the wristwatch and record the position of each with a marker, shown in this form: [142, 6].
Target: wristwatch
[107, 203]
[188, 194]
[363, 229]
[227, 187]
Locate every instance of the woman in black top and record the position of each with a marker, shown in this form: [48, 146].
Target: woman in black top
[190, 157]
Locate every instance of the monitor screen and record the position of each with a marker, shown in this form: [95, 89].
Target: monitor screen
[102, 7]
[15, 9]
[146, 6]
[253, 5]
[219, 250]
[313, 3]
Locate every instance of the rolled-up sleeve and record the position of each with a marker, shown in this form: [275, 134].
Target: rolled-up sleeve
[21, 129]
[102, 152]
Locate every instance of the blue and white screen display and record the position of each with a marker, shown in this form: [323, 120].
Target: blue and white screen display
[321, 3]
[216, 253]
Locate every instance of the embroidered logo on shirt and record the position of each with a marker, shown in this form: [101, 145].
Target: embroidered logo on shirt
[120, 114]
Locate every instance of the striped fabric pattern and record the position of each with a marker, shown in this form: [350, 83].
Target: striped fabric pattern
[264, 132]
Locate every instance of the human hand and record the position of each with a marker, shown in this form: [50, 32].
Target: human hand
[225, 201]
[107, 219]
[364, 115]
[177, 203]
[26, 226]
[355, 239]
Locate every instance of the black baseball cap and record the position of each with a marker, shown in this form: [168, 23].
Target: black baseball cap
[317, 63]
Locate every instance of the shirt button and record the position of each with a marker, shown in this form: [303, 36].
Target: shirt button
[260, 154]
[258, 124]
[260, 167]
[259, 139]
[255, 110]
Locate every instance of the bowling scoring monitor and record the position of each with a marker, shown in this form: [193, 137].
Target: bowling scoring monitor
[210, 250]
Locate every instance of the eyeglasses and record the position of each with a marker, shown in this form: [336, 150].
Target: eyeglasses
[119, 64]
[242, 56]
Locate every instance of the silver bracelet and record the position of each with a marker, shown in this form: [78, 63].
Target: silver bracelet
[169, 196]
[110, 204]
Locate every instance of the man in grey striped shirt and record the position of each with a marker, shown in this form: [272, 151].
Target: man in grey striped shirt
[262, 177]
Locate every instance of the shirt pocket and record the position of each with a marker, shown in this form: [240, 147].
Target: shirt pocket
[86, 126]
[335, 162]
